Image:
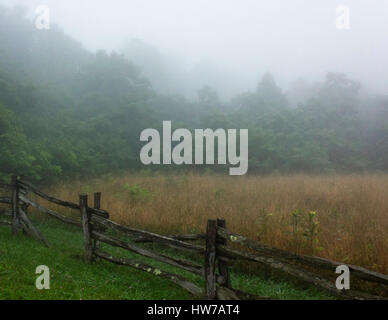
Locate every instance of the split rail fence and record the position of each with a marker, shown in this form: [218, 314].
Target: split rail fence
[217, 254]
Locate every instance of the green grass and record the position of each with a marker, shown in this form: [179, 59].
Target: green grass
[72, 278]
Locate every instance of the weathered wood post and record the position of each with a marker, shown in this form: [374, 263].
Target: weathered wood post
[222, 263]
[97, 200]
[210, 260]
[19, 212]
[15, 206]
[24, 206]
[86, 230]
[96, 205]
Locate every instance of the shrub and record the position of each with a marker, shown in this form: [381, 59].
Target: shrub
[137, 194]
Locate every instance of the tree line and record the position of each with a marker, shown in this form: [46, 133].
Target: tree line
[65, 112]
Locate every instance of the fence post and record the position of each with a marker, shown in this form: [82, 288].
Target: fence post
[210, 260]
[96, 205]
[24, 192]
[15, 206]
[97, 200]
[222, 264]
[85, 219]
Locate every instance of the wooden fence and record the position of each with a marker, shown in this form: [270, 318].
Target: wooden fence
[217, 254]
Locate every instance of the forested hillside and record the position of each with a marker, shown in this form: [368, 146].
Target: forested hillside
[65, 111]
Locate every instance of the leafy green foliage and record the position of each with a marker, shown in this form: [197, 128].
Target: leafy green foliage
[66, 112]
[137, 194]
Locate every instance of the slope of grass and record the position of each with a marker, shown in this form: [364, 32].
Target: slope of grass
[71, 278]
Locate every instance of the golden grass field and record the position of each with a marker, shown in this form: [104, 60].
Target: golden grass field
[341, 217]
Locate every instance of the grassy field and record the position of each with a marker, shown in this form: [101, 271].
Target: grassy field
[341, 217]
[71, 278]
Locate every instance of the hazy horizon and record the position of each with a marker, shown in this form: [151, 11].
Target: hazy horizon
[230, 45]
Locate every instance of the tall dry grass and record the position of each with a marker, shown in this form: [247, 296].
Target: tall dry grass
[341, 217]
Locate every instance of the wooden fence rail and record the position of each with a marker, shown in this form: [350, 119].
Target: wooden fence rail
[155, 237]
[282, 255]
[217, 256]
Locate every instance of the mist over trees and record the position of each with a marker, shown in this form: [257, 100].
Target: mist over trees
[65, 111]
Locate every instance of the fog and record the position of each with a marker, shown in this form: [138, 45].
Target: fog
[229, 45]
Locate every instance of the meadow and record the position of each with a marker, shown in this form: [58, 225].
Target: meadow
[341, 217]
[73, 279]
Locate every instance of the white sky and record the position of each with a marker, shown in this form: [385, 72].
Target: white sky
[289, 38]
